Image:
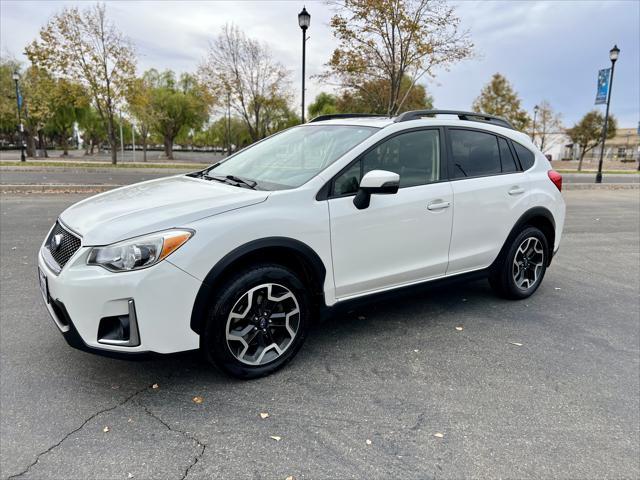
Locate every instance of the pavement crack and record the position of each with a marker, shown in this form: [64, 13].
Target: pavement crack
[75, 430]
[200, 443]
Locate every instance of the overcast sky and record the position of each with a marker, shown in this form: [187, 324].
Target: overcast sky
[547, 50]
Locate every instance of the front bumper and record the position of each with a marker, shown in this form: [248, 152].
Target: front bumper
[81, 295]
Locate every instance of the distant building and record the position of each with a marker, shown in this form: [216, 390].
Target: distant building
[624, 147]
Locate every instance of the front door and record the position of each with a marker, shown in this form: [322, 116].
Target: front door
[400, 238]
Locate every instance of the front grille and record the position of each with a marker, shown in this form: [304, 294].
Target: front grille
[61, 245]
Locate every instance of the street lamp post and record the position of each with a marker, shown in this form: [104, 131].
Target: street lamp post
[304, 19]
[613, 56]
[16, 77]
[535, 115]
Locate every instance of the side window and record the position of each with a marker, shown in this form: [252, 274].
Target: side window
[506, 157]
[348, 181]
[415, 156]
[474, 153]
[526, 156]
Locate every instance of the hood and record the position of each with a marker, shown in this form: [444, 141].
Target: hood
[152, 206]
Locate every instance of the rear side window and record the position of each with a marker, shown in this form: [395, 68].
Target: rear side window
[506, 157]
[474, 154]
[526, 156]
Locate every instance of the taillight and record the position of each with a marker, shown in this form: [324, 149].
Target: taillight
[556, 178]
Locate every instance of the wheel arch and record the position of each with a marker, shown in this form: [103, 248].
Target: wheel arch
[539, 217]
[284, 251]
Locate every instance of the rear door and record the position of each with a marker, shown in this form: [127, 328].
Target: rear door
[400, 238]
[490, 195]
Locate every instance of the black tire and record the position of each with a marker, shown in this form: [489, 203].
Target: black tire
[502, 277]
[214, 344]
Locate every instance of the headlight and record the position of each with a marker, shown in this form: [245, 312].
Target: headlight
[140, 252]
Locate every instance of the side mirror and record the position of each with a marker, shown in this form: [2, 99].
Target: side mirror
[380, 182]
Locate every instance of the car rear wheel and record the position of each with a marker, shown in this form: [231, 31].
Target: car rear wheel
[519, 271]
[258, 323]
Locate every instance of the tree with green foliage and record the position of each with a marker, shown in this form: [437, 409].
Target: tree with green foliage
[382, 42]
[587, 133]
[499, 98]
[38, 86]
[8, 106]
[176, 105]
[67, 102]
[372, 97]
[93, 129]
[139, 101]
[324, 104]
[85, 47]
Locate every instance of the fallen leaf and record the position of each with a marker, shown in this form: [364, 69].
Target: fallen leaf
[459, 328]
[155, 386]
[264, 415]
[276, 438]
[516, 344]
[106, 429]
[198, 399]
[439, 435]
[368, 442]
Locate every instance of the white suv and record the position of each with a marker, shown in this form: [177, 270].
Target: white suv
[237, 259]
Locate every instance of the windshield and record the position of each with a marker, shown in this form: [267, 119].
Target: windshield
[290, 158]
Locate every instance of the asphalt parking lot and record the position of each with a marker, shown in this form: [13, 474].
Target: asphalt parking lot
[542, 388]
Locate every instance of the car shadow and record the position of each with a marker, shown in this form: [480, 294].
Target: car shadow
[404, 309]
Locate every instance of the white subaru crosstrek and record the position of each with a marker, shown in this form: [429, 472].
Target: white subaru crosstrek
[237, 259]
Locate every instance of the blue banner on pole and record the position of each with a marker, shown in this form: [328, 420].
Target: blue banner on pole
[603, 86]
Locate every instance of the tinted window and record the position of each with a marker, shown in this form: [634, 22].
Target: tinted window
[526, 156]
[415, 156]
[474, 153]
[508, 162]
[348, 181]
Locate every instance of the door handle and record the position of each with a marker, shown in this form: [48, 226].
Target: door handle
[438, 205]
[516, 190]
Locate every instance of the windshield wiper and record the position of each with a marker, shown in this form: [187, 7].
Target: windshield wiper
[234, 180]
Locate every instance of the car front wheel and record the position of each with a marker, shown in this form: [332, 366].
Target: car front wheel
[519, 271]
[258, 323]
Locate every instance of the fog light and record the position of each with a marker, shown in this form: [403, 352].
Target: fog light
[121, 330]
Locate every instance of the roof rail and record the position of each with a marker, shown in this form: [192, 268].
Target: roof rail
[332, 116]
[470, 116]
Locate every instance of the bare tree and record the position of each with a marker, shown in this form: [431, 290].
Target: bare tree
[548, 127]
[85, 46]
[243, 69]
[388, 40]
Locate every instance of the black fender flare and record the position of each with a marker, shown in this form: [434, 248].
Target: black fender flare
[525, 218]
[201, 304]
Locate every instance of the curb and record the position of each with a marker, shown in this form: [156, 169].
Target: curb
[56, 188]
[600, 186]
[5, 189]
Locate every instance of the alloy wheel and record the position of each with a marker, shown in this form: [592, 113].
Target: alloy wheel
[263, 324]
[528, 263]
